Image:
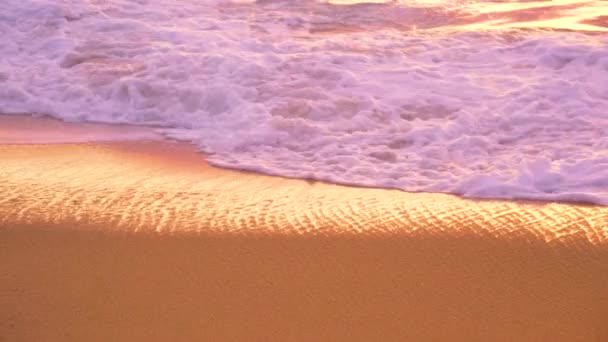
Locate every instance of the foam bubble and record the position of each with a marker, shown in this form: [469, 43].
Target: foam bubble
[383, 95]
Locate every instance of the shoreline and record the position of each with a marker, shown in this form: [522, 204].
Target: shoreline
[143, 240]
[136, 185]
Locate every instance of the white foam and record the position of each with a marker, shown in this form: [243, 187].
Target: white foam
[374, 95]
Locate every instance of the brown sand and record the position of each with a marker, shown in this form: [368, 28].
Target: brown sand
[143, 241]
[20, 129]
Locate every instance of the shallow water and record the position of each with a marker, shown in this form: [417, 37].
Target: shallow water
[481, 99]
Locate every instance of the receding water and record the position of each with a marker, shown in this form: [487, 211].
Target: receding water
[481, 99]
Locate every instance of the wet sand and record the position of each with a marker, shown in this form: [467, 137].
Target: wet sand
[143, 240]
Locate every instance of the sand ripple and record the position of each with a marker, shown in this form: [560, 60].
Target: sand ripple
[168, 188]
[146, 242]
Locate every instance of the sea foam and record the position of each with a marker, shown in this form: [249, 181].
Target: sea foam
[384, 95]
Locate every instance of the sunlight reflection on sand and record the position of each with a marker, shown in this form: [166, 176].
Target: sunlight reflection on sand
[129, 241]
[168, 188]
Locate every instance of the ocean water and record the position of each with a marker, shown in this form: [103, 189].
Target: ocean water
[481, 99]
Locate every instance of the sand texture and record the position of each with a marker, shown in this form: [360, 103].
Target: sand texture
[143, 241]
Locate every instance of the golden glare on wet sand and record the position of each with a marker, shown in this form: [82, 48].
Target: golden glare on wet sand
[143, 241]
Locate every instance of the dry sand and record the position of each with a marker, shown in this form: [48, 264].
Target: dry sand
[143, 241]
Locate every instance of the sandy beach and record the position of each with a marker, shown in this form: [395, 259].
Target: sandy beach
[144, 241]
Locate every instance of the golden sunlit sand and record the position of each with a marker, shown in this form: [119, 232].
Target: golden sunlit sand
[143, 241]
